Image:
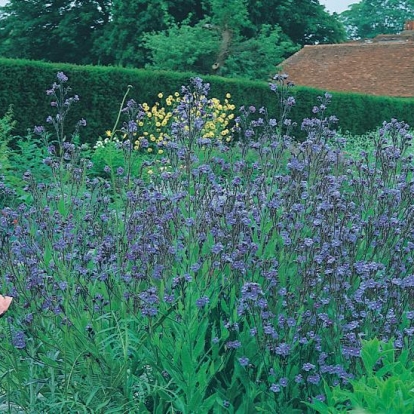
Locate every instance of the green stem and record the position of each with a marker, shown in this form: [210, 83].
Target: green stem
[120, 109]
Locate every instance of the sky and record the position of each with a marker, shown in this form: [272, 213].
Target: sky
[331, 5]
[336, 5]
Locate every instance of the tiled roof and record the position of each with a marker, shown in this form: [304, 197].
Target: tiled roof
[381, 66]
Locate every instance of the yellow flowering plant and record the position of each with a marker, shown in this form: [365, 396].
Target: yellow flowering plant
[154, 124]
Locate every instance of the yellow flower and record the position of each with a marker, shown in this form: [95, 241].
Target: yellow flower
[160, 151]
[228, 96]
[210, 125]
[160, 95]
[140, 123]
[176, 94]
[149, 149]
[108, 133]
[150, 171]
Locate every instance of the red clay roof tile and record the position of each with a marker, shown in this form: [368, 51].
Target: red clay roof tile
[382, 66]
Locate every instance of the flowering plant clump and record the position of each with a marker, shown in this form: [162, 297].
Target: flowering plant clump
[240, 278]
[153, 123]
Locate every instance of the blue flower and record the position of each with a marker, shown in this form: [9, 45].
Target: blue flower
[19, 339]
[201, 302]
[244, 361]
[62, 77]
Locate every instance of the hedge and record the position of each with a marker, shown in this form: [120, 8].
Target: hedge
[101, 89]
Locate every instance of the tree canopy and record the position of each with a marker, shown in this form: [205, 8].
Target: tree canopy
[58, 30]
[370, 18]
[228, 37]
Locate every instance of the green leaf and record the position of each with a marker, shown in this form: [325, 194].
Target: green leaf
[387, 392]
[319, 406]
[370, 354]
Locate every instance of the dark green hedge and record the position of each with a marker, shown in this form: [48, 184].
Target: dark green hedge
[23, 84]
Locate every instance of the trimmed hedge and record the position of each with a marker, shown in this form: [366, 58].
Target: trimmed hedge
[101, 89]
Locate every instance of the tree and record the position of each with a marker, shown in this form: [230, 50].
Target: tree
[247, 38]
[204, 49]
[370, 18]
[122, 43]
[183, 48]
[235, 37]
[258, 57]
[305, 22]
[45, 30]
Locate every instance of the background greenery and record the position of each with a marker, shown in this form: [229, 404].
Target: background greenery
[369, 18]
[101, 90]
[234, 38]
[138, 33]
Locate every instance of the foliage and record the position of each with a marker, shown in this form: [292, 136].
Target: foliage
[136, 33]
[258, 58]
[197, 49]
[45, 30]
[166, 26]
[238, 279]
[129, 21]
[237, 46]
[183, 48]
[354, 145]
[6, 169]
[102, 88]
[387, 385]
[369, 18]
[152, 125]
[6, 127]
[304, 22]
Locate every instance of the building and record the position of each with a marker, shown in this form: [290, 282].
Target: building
[380, 66]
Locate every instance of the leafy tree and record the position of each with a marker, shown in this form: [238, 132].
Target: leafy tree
[370, 18]
[58, 30]
[226, 43]
[258, 57]
[183, 47]
[305, 22]
[228, 37]
[122, 42]
[139, 28]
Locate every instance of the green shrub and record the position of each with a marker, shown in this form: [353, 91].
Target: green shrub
[101, 89]
[387, 386]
